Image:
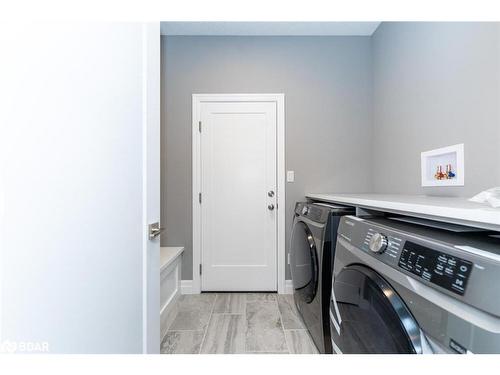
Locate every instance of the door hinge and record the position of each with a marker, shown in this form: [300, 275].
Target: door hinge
[200, 269]
[199, 197]
[199, 126]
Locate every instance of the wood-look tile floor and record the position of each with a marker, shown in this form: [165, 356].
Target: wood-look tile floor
[236, 323]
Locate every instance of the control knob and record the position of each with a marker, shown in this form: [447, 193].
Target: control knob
[378, 243]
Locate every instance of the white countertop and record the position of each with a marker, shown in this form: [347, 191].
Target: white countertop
[168, 255]
[448, 209]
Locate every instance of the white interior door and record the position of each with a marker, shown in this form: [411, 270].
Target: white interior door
[238, 186]
[79, 180]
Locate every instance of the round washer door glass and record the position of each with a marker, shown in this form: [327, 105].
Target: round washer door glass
[304, 262]
[373, 318]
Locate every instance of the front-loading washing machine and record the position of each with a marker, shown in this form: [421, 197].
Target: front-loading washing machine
[405, 288]
[312, 248]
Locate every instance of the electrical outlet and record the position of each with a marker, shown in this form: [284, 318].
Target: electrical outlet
[290, 176]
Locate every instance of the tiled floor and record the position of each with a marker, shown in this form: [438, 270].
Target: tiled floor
[237, 323]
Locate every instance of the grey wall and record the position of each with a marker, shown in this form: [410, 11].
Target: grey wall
[434, 85]
[327, 86]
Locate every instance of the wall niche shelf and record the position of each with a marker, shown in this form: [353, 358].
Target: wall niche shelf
[443, 166]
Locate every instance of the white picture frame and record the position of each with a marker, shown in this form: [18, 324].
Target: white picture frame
[430, 160]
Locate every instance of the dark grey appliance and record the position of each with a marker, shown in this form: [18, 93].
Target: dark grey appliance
[312, 247]
[406, 288]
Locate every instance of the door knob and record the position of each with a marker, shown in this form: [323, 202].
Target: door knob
[270, 207]
[270, 193]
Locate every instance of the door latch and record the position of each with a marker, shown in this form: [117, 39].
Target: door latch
[155, 230]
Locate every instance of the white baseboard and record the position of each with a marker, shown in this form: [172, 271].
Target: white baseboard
[288, 287]
[187, 287]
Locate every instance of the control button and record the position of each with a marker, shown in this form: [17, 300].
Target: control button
[426, 275]
[457, 288]
[439, 267]
[449, 271]
[442, 258]
[378, 243]
[464, 268]
[459, 282]
[452, 262]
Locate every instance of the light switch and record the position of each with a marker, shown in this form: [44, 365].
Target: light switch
[290, 176]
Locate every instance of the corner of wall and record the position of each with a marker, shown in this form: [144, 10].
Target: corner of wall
[372, 110]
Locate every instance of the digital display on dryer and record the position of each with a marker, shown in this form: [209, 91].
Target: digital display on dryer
[442, 269]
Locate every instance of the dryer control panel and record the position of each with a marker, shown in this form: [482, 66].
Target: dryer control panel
[444, 270]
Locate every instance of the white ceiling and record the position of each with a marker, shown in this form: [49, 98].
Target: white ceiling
[269, 28]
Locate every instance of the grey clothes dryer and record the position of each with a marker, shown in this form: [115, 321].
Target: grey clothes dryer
[405, 288]
[312, 247]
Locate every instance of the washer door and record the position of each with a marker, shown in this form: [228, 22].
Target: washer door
[368, 316]
[304, 262]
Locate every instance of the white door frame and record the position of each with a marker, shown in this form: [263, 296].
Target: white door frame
[279, 99]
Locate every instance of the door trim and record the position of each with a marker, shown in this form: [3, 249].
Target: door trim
[279, 99]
